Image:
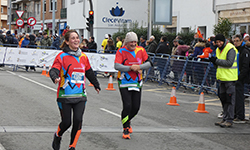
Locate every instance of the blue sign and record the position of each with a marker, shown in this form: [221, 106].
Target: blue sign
[117, 12]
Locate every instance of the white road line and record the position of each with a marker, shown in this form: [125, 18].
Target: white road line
[110, 112]
[37, 83]
[11, 72]
[1, 147]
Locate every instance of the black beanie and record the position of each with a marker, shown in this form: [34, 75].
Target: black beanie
[220, 37]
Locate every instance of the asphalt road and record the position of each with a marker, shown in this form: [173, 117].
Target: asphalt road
[29, 116]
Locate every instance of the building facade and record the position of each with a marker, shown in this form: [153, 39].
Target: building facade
[3, 15]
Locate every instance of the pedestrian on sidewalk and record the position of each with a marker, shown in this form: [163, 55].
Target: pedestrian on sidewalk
[69, 70]
[130, 60]
[227, 75]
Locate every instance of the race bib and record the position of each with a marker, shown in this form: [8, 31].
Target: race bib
[77, 77]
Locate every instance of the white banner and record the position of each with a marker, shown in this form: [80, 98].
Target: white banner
[39, 57]
[102, 62]
[2, 53]
[47, 57]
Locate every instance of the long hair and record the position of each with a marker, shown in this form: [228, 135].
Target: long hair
[66, 37]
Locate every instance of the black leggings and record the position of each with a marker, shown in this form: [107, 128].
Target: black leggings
[131, 101]
[65, 110]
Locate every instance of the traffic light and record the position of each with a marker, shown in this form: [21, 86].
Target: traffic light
[90, 20]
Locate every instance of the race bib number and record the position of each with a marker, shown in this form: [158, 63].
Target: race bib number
[77, 77]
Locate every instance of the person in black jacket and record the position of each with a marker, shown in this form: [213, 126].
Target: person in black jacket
[163, 47]
[244, 59]
[92, 44]
[56, 42]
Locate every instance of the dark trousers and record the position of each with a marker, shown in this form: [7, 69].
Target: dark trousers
[240, 101]
[227, 98]
[66, 113]
[131, 101]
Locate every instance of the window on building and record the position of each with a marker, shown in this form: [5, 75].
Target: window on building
[64, 3]
[44, 6]
[38, 9]
[72, 2]
[185, 30]
[51, 4]
[1, 9]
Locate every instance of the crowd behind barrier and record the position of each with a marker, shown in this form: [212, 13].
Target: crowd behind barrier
[195, 74]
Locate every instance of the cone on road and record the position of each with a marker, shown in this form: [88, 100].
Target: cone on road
[201, 105]
[90, 84]
[47, 75]
[173, 101]
[44, 70]
[110, 85]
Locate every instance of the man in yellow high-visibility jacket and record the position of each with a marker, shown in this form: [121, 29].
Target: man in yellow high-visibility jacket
[227, 75]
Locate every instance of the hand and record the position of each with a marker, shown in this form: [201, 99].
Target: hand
[213, 59]
[97, 90]
[135, 68]
[139, 71]
[198, 56]
[57, 80]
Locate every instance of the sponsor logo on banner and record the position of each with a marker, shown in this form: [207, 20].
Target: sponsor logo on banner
[116, 12]
[11, 52]
[103, 58]
[33, 60]
[44, 53]
[9, 59]
[23, 53]
[21, 60]
[103, 66]
[43, 60]
[34, 53]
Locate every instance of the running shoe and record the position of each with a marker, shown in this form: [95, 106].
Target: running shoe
[130, 130]
[56, 142]
[126, 133]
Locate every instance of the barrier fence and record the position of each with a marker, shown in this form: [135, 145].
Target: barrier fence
[182, 71]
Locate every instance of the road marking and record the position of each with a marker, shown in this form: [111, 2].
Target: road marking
[110, 112]
[37, 83]
[11, 72]
[1, 147]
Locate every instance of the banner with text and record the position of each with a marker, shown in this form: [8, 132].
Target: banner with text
[39, 57]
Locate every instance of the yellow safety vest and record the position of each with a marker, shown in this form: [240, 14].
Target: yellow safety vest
[227, 73]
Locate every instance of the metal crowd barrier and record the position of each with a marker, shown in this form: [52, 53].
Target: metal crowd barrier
[198, 75]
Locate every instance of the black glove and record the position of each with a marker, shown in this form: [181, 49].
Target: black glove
[212, 59]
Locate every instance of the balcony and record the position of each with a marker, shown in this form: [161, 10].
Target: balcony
[63, 13]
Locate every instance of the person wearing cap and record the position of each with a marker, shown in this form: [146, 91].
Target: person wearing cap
[246, 38]
[46, 41]
[56, 42]
[130, 60]
[105, 41]
[227, 74]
